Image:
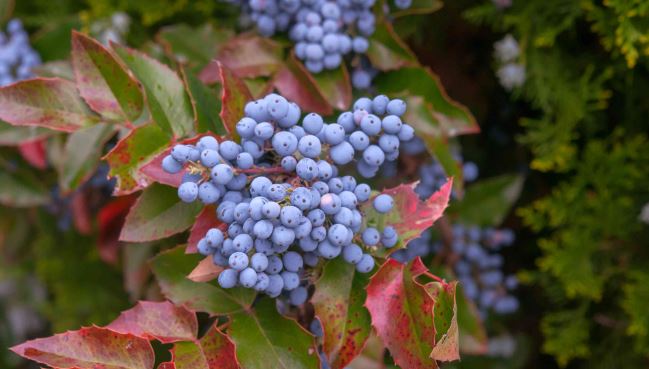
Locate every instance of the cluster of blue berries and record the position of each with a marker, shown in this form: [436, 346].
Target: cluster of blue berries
[324, 31]
[17, 58]
[279, 193]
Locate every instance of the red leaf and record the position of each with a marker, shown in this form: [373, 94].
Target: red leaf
[218, 350]
[205, 271]
[91, 347]
[34, 153]
[157, 320]
[204, 221]
[111, 219]
[402, 314]
[81, 213]
[46, 102]
[410, 216]
[249, 56]
[234, 97]
[153, 169]
[296, 84]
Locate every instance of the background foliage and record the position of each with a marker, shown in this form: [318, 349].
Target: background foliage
[576, 130]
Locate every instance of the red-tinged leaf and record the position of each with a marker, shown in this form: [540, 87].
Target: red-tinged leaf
[111, 219]
[445, 313]
[82, 153]
[81, 216]
[402, 314]
[167, 365]
[103, 82]
[410, 216]
[205, 271]
[372, 356]
[158, 214]
[265, 339]
[250, 56]
[204, 221]
[213, 351]
[45, 102]
[295, 83]
[234, 96]
[165, 92]
[34, 153]
[387, 51]
[171, 269]
[91, 347]
[131, 153]
[162, 321]
[338, 302]
[336, 87]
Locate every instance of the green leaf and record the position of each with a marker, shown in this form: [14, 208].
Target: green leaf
[409, 216]
[387, 51]
[55, 69]
[45, 102]
[103, 82]
[21, 189]
[171, 268]
[263, 338]
[447, 345]
[82, 153]
[158, 214]
[428, 102]
[53, 40]
[91, 347]
[193, 46]
[338, 302]
[14, 135]
[234, 96]
[473, 337]
[132, 152]
[336, 87]
[168, 101]
[488, 201]
[206, 105]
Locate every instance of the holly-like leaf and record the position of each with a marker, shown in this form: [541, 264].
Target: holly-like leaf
[171, 269]
[428, 103]
[158, 214]
[162, 321]
[491, 200]
[338, 302]
[194, 47]
[295, 83]
[234, 97]
[372, 356]
[34, 153]
[264, 338]
[410, 216]
[166, 97]
[204, 221]
[14, 135]
[250, 56]
[131, 153]
[22, 189]
[213, 351]
[205, 271]
[45, 102]
[206, 105]
[387, 51]
[402, 314]
[103, 82]
[91, 347]
[82, 153]
[447, 346]
[336, 87]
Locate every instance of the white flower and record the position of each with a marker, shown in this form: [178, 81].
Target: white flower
[507, 49]
[511, 75]
[644, 214]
